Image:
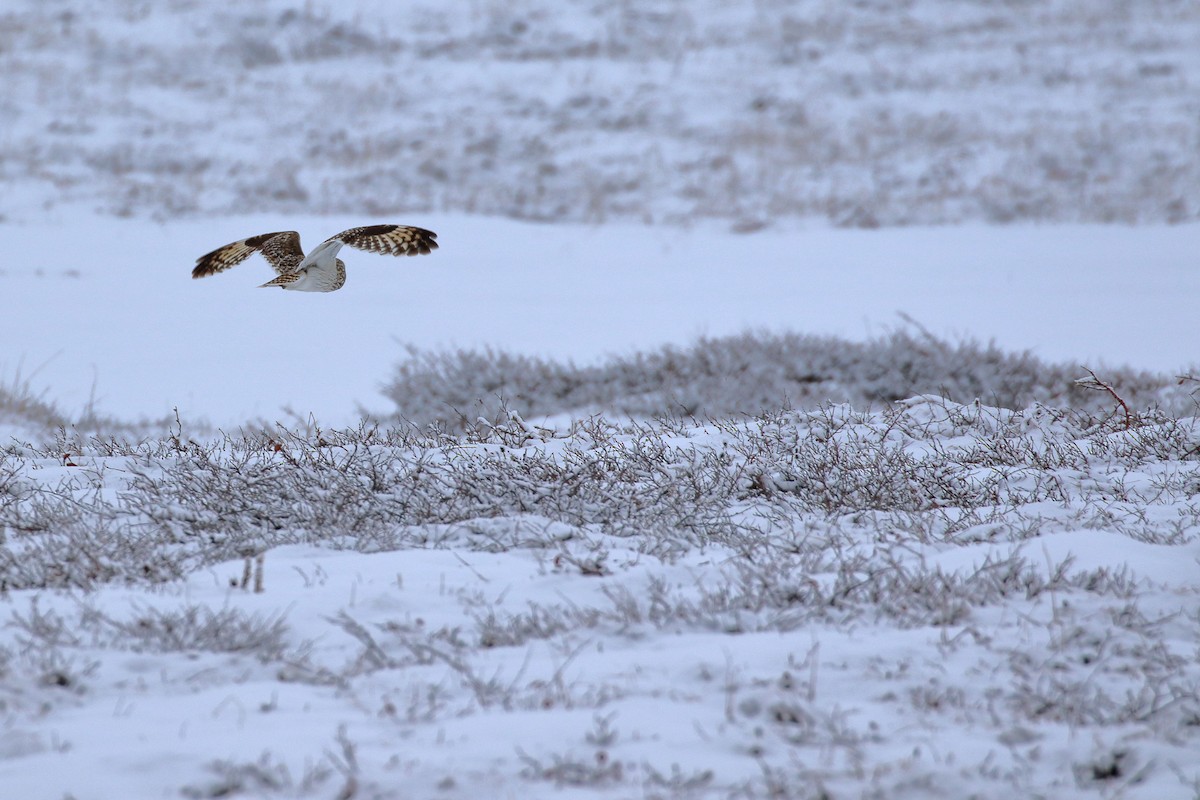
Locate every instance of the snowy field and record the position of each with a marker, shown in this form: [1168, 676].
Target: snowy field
[252, 545]
[111, 317]
[933, 600]
[733, 114]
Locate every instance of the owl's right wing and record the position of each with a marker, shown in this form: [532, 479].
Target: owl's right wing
[281, 250]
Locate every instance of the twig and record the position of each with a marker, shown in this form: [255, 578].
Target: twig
[1095, 383]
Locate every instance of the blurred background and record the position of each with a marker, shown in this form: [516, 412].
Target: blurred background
[868, 113]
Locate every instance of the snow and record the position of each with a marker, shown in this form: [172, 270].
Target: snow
[223, 350]
[891, 112]
[923, 599]
[878, 602]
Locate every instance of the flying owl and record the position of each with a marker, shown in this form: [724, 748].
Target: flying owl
[321, 270]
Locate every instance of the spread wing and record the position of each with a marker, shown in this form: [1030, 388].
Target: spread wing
[281, 249]
[390, 240]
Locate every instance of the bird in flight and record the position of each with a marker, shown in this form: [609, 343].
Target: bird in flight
[321, 270]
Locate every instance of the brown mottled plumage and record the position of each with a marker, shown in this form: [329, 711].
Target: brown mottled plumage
[320, 270]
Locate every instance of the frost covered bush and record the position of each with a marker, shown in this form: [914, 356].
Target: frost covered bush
[964, 567]
[751, 373]
[936, 470]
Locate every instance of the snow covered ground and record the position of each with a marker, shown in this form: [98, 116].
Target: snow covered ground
[110, 314]
[929, 600]
[909, 600]
[742, 114]
[934, 600]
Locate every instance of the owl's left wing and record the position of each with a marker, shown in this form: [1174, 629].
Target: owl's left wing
[390, 240]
